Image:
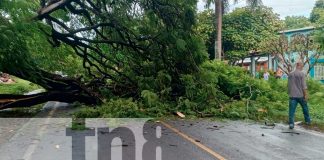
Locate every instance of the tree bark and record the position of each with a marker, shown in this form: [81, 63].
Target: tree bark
[58, 89]
[219, 23]
[15, 101]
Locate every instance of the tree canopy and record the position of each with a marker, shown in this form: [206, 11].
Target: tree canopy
[39, 51]
[124, 46]
[294, 22]
[221, 6]
[317, 14]
[205, 29]
[244, 30]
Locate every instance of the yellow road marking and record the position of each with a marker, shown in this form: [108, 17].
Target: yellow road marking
[188, 138]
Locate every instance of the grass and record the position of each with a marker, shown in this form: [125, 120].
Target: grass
[315, 104]
[316, 112]
[20, 87]
[78, 124]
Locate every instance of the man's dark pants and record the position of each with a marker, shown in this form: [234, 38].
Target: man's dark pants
[293, 102]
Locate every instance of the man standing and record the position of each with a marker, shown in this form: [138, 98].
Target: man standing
[297, 90]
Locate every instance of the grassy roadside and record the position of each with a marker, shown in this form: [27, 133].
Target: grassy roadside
[315, 104]
[316, 113]
[19, 87]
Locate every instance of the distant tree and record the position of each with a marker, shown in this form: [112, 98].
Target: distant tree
[246, 29]
[220, 7]
[293, 22]
[205, 29]
[299, 48]
[317, 14]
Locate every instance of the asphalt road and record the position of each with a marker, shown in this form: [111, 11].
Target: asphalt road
[242, 140]
[48, 138]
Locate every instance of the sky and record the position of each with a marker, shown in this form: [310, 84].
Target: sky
[282, 7]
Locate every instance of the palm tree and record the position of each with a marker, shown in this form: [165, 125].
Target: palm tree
[220, 7]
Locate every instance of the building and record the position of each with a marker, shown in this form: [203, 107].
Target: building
[317, 72]
[256, 62]
[261, 64]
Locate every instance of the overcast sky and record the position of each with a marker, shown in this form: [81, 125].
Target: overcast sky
[282, 7]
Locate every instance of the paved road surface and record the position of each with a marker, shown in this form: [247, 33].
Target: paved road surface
[239, 140]
[45, 138]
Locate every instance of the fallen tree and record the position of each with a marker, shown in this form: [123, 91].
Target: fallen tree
[14, 101]
[58, 88]
[125, 47]
[16, 60]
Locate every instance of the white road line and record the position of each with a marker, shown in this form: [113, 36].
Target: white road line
[31, 148]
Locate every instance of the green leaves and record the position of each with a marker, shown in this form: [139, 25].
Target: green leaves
[5, 35]
[24, 45]
[119, 108]
[181, 44]
[317, 14]
[246, 29]
[294, 22]
[150, 98]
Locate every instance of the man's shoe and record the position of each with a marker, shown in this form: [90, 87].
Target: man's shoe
[291, 126]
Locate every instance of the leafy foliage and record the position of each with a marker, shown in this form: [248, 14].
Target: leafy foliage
[246, 29]
[317, 14]
[221, 6]
[13, 52]
[126, 46]
[28, 46]
[294, 22]
[216, 90]
[205, 29]
[120, 108]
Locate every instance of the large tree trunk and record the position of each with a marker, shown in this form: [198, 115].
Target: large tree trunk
[58, 89]
[219, 23]
[14, 101]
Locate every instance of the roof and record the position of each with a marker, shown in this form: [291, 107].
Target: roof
[248, 60]
[299, 29]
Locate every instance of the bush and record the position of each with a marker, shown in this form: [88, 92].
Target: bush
[314, 86]
[119, 108]
[222, 90]
[217, 89]
[235, 110]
